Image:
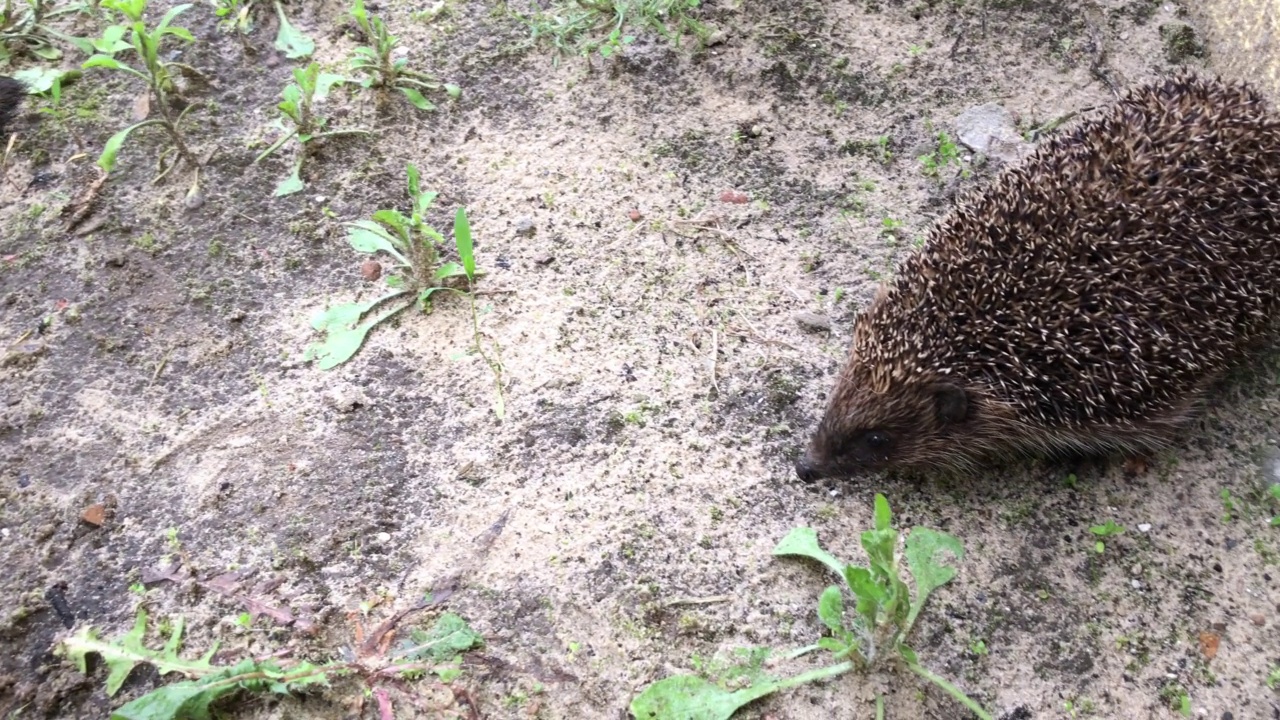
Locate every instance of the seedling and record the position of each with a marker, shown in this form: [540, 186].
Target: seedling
[297, 109]
[947, 153]
[237, 16]
[417, 274]
[1105, 530]
[26, 30]
[437, 651]
[382, 72]
[872, 634]
[1274, 490]
[1228, 505]
[154, 71]
[585, 27]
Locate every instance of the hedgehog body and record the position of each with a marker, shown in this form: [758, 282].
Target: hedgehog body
[1084, 301]
[11, 93]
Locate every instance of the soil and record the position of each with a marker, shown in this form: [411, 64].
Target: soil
[614, 527]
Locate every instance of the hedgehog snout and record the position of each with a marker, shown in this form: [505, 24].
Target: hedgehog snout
[807, 470]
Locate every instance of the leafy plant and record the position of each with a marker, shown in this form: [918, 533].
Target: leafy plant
[382, 72]
[237, 16]
[584, 27]
[154, 71]
[1105, 530]
[26, 29]
[946, 154]
[872, 633]
[437, 650]
[1274, 490]
[296, 108]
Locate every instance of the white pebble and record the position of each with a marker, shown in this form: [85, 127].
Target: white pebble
[1144, 527]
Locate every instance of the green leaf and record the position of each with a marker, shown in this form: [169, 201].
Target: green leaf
[883, 516]
[417, 99]
[107, 160]
[192, 698]
[291, 184]
[871, 594]
[447, 638]
[39, 80]
[396, 221]
[367, 236]
[162, 27]
[689, 697]
[803, 541]
[453, 90]
[831, 609]
[448, 270]
[104, 61]
[414, 183]
[923, 545]
[45, 51]
[124, 654]
[462, 239]
[290, 41]
[325, 82]
[424, 297]
[341, 339]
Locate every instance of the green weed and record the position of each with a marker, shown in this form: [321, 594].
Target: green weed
[586, 27]
[236, 16]
[382, 72]
[1105, 530]
[417, 274]
[437, 650]
[946, 153]
[296, 109]
[157, 73]
[874, 632]
[25, 30]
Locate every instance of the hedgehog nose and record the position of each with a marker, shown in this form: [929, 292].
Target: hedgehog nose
[806, 471]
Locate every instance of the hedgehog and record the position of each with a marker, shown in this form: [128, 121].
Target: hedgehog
[11, 93]
[1082, 304]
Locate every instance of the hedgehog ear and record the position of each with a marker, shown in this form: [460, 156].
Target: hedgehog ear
[951, 403]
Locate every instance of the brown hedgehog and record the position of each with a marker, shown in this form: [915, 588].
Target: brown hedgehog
[11, 93]
[1082, 303]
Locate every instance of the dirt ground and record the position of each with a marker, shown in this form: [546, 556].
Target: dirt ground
[617, 523]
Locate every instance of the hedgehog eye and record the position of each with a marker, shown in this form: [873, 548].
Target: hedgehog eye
[876, 440]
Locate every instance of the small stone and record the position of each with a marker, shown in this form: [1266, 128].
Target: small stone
[347, 399]
[382, 538]
[1144, 527]
[1137, 584]
[193, 201]
[525, 227]
[813, 322]
[734, 198]
[635, 215]
[1136, 570]
[544, 259]
[990, 130]
[1258, 619]
[319, 199]
[371, 270]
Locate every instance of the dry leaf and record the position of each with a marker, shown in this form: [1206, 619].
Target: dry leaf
[1209, 645]
[141, 107]
[95, 514]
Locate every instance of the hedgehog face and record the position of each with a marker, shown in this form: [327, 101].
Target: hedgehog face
[910, 424]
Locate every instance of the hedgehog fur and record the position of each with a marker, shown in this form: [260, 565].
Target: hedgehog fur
[11, 93]
[1083, 302]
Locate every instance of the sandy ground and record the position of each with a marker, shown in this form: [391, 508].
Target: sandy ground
[616, 524]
